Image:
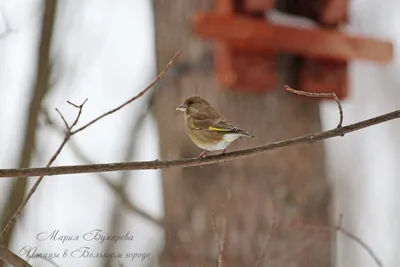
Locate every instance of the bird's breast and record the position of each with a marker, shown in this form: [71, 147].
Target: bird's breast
[211, 140]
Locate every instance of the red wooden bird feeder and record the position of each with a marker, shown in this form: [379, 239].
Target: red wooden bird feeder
[247, 45]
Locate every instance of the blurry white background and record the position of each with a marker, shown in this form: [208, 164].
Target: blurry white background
[363, 166]
[104, 51]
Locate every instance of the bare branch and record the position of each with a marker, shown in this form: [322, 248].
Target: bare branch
[79, 113]
[220, 241]
[17, 213]
[122, 197]
[332, 95]
[189, 162]
[268, 238]
[74, 105]
[68, 135]
[12, 259]
[285, 258]
[8, 30]
[132, 207]
[63, 119]
[120, 185]
[147, 88]
[340, 229]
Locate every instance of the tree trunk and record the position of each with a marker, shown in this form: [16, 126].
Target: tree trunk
[281, 184]
[40, 90]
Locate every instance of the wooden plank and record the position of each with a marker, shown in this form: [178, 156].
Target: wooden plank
[224, 66]
[335, 12]
[259, 36]
[222, 53]
[254, 72]
[323, 76]
[225, 6]
[258, 5]
[244, 71]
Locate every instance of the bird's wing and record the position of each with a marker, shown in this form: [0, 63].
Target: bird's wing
[214, 125]
[211, 121]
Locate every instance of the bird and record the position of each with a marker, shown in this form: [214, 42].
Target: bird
[208, 128]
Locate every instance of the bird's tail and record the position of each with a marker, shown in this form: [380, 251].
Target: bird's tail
[244, 133]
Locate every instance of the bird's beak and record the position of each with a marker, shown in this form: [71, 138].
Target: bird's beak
[182, 107]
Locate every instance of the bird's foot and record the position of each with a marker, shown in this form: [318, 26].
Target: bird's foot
[203, 154]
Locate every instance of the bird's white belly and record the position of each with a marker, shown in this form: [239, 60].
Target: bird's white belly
[228, 139]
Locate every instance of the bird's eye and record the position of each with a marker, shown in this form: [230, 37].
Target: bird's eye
[190, 102]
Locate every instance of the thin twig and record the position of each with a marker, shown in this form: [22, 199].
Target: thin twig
[69, 133]
[189, 162]
[331, 95]
[339, 228]
[79, 114]
[8, 29]
[214, 224]
[122, 197]
[63, 119]
[220, 241]
[268, 237]
[147, 88]
[72, 104]
[287, 256]
[17, 213]
[119, 186]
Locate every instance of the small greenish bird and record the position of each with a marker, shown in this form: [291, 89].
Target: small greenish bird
[208, 128]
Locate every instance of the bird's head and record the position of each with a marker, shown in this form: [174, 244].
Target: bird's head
[192, 105]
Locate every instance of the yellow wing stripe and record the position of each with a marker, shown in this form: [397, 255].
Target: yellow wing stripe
[219, 129]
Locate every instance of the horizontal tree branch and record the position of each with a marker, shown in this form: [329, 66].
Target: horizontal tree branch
[122, 196]
[70, 132]
[188, 162]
